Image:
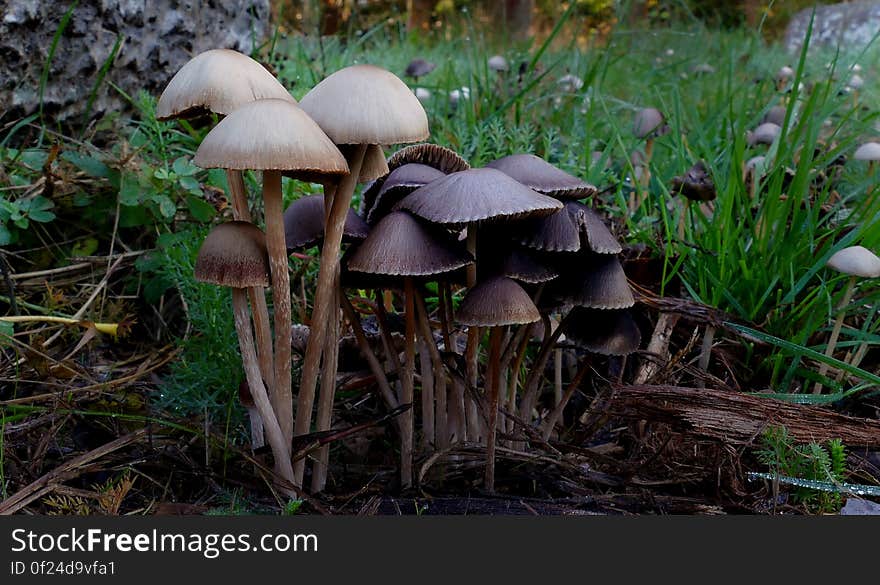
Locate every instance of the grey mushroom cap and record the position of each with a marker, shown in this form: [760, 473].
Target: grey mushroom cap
[476, 195]
[603, 332]
[766, 133]
[647, 121]
[538, 174]
[419, 68]
[304, 223]
[234, 255]
[521, 265]
[498, 63]
[856, 261]
[398, 184]
[592, 280]
[496, 302]
[401, 245]
[557, 232]
[441, 158]
[775, 115]
[869, 151]
[595, 235]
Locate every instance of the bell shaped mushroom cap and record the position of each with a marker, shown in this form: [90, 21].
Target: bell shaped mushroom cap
[766, 133]
[270, 135]
[398, 184]
[557, 232]
[433, 155]
[498, 63]
[536, 173]
[234, 255]
[646, 121]
[599, 238]
[304, 223]
[365, 104]
[419, 67]
[476, 195]
[696, 184]
[869, 151]
[219, 81]
[592, 280]
[785, 73]
[856, 261]
[496, 302]
[775, 115]
[603, 332]
[522, 266]
[399, 245]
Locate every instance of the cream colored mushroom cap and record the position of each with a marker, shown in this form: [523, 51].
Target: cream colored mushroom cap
[365, 104]
[270, 135]
[856, 261]
[868, 151]
[219, 80]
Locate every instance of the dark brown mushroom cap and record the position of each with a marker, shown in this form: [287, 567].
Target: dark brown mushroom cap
[419, 68]
[476, 195]
[765, 133]
[304, 223]
[595, 235]
[398, 184]
[234, 255]
[522, 266]
[557, 232]
[648, 121]
[496, 302]
[775, 115]
[538, 174]
[602, 332]
[441, 158]
[400, 245]
[696, 184]
[590, 280]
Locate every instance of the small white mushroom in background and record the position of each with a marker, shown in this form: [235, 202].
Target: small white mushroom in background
[456, 95]
[670, 52]
[856, 68]
[855, 82]
[423, 94]
[570, 83]
[766, 133]
[498, 64]
[856, 262]
[702, 69]
[784, 75]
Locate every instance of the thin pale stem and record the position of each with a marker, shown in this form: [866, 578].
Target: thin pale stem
[706, 353]
[441, 430]
[835, 332]
[406, 384]
[554, 417]
[375, 366]
[324, 418]
[493, 375]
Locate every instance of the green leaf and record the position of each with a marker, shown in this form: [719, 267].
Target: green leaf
[130, 192]
[5, 235]
[200, 209]
[6, 330]
[191, 185]
[40, 216]
[167, 207]
[85, 247]
[40, 203]
[134, 216]
[183, 167]
[88, 164]
[82, 199]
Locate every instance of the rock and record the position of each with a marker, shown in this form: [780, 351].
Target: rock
[156, 38]
[852, 25]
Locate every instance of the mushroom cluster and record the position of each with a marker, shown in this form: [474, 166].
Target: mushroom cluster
[462, 251]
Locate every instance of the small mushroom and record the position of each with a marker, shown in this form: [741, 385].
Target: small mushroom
[419, 67]
[695, 185]
[304, 223]
[538, 174]
[498, 64]
[765, 133]
[856, 262]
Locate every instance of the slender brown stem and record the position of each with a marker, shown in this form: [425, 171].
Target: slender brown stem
[256, 295]
[835, 332]
[385, 332]
[441, 430]
[557, 376]
[280, 448]
[406, 384]
[456, 427]
[426, 368]
[533, 382]
[493, 376]
[376, 367]
[554, 417]
[706, 353]
[324, 417]
[277, 247]
[322, 312]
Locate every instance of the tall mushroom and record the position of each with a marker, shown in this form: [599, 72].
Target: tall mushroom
[360, 105]
[495, 303]
[274, 136]
[234, 255]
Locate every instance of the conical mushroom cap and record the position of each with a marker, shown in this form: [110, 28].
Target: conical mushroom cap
[603, 332]
[536, 173]
[476, 195]
[374, 165]
[522, 266]
[219, 81]
[868, 151]
[696, 184]
[365, 104]
[234, 255]
[441, 158]
[399, 245]
[304, 223]
[856, 261]
[593, 280]
[766, 133]
[775, 115]
[495, 302]
[419, 67]
[557, 232]
[270, 135]
[398, 184]
[595, 235]
[647, 121]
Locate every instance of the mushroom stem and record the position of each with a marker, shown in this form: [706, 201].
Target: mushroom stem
[533, 382]
[256, 295]
[406, 384]
[472, 349]
[835, 331]
[557, 376]
[376, 367]
[326, 396]
[428, 390]
[440, 417]
[493, 376]
[456, 420]
[257, 438]
[554, 416]
[515, 369]
[277, 248]
[328, 281]
[706, 353]
[280, 448]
